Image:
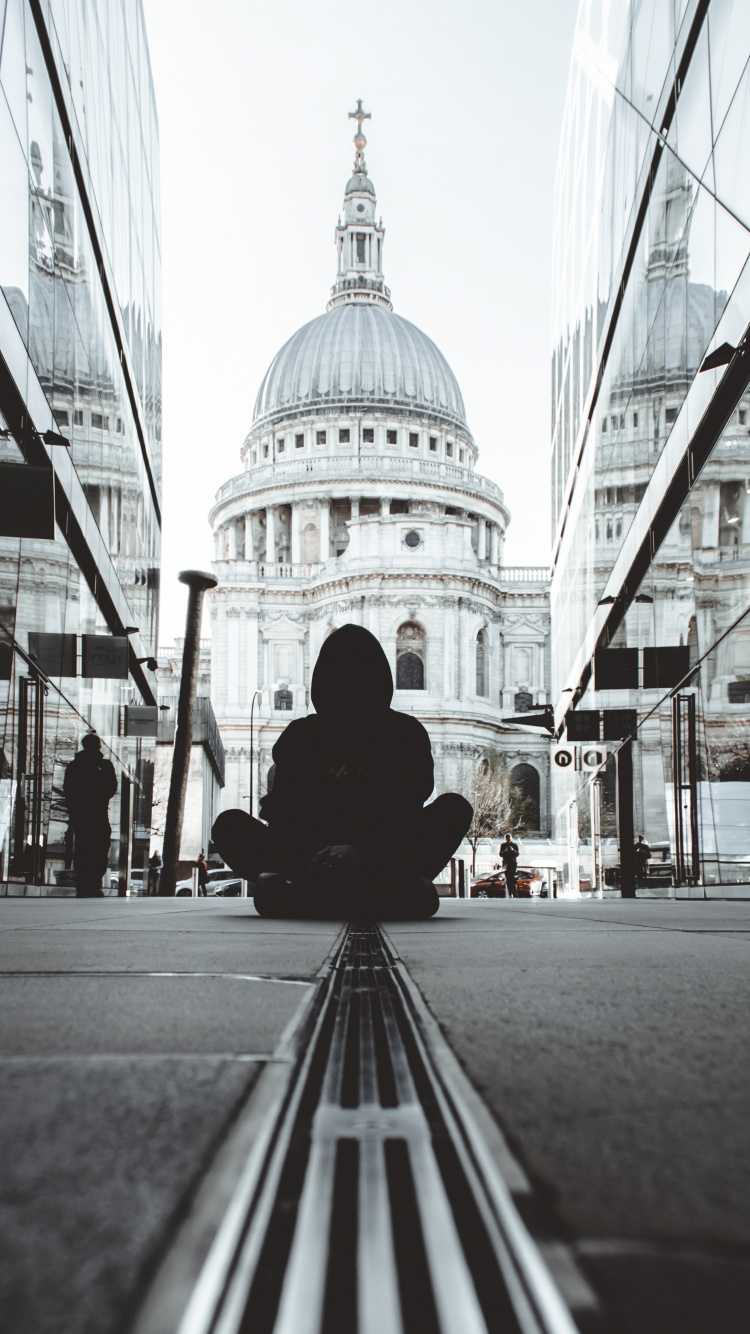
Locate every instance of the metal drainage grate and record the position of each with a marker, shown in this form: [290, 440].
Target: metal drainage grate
[373, 1214]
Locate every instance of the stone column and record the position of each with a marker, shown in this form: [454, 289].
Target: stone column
[270, 535]
[249, 552]
[232, 545]
[325, 529]
[233, 656]
[385, 506]
[295, 522]
[494, 545]
[745, 534]
[481, 538]
[710, 534]
[355, 508]
[251, 636]
[461, 680]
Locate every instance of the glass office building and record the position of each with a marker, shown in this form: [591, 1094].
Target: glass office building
[651, 445]
[80, 422]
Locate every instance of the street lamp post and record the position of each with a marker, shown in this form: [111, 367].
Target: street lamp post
[197, 581]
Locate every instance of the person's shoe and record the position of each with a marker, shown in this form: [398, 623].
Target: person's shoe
[276, 897]
[409, 900]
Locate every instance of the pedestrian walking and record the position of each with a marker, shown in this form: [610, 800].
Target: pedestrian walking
[89, 785]
[509, 858]
[642, 857]
[202, 865]
[154, 871]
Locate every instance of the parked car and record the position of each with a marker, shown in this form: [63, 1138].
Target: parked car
[530, 884]
[222, 883]
[490, 886]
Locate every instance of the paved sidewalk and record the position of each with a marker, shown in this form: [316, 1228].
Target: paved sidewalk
[610, 1039]
[132, 1032]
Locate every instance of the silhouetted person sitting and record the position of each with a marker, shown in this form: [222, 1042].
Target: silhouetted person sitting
[90, 783]
[348, 833]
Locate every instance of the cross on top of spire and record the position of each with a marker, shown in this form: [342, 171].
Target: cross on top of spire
[360, 142]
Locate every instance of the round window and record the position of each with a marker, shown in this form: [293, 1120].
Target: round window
[360, 208]
[413, 540]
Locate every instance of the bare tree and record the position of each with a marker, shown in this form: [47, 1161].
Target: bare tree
[499, 806]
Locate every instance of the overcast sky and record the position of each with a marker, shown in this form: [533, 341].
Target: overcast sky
[256, 149]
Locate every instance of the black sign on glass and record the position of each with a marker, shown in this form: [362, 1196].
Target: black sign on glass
[582, 725]
[665, 667]
[6, 660]
[616, 669]
[105, 656]
[141, 719]
[27, 501]
[54, 654]
[618, 724]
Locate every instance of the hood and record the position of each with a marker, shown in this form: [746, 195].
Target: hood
[351, 674]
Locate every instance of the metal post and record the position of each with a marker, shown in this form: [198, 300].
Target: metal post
[461, 882]
[625, 818]
[197, 581]
[256, 693]
[123, 865]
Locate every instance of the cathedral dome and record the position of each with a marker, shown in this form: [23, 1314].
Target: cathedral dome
[360, 354]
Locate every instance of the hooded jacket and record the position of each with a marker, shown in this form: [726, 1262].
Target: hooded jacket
[89, 784]
[355, 771]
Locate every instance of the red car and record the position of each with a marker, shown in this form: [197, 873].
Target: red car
[529, 884]
[491, 886]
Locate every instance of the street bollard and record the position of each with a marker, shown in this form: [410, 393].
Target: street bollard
[197, 582]
[461, 880]
[195, 882]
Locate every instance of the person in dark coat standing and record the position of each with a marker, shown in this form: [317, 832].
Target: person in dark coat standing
[89, 785]
[348, 829]
[642, 857]
[202, 865]
[155, 865]
[509, 858]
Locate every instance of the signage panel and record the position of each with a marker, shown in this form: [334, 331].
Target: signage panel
[54, 654]
[592, 757]
[105, 656]
[141, 719]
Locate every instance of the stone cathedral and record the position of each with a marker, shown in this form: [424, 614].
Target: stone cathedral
[359, 500]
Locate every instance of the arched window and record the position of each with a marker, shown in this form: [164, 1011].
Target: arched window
[310, 544]
[282, 699]
[409, 672]
[481, 665]
[410, 657]
[525, 786]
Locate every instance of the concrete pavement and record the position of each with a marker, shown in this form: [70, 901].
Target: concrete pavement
[132, 1032]
[608, 1040]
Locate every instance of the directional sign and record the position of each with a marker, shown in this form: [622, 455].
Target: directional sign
[564, 757]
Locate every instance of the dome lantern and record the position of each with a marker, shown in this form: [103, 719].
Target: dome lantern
[359, 239]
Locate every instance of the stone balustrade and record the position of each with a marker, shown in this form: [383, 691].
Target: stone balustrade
[371, 466]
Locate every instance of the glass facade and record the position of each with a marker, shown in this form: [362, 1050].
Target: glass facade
[650, 455]
[80, 362]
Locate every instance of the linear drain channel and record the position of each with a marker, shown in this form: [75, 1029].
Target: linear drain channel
[372, 1212]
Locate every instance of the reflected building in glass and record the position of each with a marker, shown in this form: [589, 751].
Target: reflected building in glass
[80, 422]
[651, 445]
